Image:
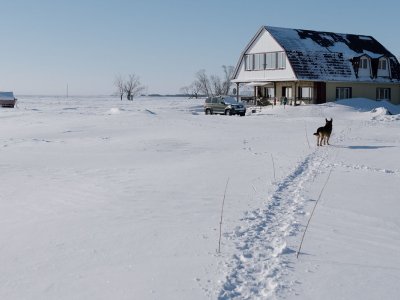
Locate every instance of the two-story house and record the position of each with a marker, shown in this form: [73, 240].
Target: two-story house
[314, 67]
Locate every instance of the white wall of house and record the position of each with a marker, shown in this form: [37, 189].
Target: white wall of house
[265, 43]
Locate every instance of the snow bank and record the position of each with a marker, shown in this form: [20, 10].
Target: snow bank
[382, 114]
[362, 104]
[380, 111]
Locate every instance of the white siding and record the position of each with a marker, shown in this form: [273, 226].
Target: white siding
[265, 43]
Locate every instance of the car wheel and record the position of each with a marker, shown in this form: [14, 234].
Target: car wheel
[208, 111]
[228, 112]
[242, 114]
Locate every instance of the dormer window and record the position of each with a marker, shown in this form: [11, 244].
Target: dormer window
[364, 67]
[363, 63]
[382, 64]
[383, 68]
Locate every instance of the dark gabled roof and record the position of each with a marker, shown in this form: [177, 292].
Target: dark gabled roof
[317, 55]
[349, 44]
[320, 65]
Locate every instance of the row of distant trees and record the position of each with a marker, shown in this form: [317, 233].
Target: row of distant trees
[130, 86]
[212, 85]
[203, 84]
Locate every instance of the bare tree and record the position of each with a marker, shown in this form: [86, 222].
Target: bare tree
[228, 74]
[133, 87]
[211, 85]
[185, 90]
[120, 85]
[195, 90]
[203, 83]
[191, 90]
[216, 85]
[196, 87]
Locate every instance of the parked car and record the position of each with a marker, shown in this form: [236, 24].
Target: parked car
[225, 105]
[7, 99]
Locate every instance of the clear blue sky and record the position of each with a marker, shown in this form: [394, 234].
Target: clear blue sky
[47, 44]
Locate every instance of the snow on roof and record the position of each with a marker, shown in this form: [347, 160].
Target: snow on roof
[316, 55]
[318, 64]
[7, 96]
[350, 45]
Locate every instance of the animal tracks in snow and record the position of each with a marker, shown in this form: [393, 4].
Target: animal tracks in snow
[263, 256]
[363, 168]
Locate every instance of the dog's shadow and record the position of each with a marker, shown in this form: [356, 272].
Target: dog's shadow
[362, 147]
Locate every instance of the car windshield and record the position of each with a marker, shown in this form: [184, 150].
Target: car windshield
[230, 100]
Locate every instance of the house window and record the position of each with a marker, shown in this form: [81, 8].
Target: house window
[256, 62]
[305, 93]
[248, 62]
[364, 63]
[382, 64]
[343, 93]
[281, 60]
[270, 92]
[383, 94]
[259, 61]
[263, 61]
[270, 60]
[287, 92]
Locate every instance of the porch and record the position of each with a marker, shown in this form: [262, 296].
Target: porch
[274, 93]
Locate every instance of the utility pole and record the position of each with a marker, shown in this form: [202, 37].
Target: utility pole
[67, 90]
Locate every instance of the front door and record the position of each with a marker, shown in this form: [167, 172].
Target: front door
[320, 92]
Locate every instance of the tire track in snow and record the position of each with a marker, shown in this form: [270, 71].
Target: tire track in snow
[262, 255]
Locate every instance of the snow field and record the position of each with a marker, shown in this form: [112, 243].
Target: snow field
[103, 199]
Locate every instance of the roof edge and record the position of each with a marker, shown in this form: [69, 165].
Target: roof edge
[235, 73]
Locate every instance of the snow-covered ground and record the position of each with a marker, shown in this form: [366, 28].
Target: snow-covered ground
[103, 199]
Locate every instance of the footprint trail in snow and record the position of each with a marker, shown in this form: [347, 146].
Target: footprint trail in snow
[262, 255]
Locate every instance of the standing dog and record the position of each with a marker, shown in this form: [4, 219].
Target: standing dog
[324, 133]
